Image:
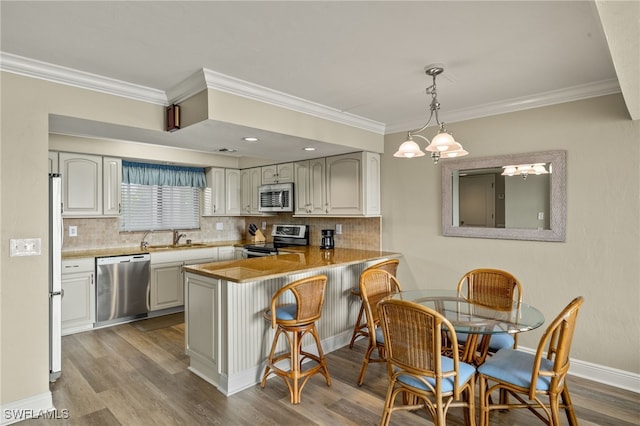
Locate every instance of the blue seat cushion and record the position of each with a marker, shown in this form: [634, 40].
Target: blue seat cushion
[286, 312]
[514, 367]
[379, 335]
[466, 372]
[497, 342]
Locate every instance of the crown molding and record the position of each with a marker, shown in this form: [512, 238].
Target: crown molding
[569, 94]
[208, 79]
[44, 71]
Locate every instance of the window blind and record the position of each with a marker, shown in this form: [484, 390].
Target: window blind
[159, 207]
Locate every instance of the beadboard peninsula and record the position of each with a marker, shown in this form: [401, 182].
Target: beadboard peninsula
[227, 337]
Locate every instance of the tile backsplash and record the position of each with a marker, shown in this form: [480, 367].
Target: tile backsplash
[99, 233]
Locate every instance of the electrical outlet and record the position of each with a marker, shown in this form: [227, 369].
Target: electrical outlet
[264, 226]
[73, 231]
[25, 247]
[219, 226]
[540, 215]
[338, 228]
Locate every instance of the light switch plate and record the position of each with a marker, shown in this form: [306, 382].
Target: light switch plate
[219, 226]
[25, 247]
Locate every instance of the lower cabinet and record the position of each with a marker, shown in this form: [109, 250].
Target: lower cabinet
[166, 286]
[167, 281]
[79, 295]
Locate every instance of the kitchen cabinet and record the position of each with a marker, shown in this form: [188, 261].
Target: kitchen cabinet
[277, 173]
[222, 194]
[232, 189]
[341, 185]
[250, 180]
[310, 187]
[81, 184]
[111, 180]
[214, 193]
[90, 184]
[79, 295]
[167, 283]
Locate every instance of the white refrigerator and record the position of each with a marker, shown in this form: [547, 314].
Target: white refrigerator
[55, 276]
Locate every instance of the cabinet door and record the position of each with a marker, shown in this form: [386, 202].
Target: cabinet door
[81, 184]
[285, 172]
[344, 184]
[166, 286]
[250, 180]
[317, 196]
[214, 194]
[372, 183]
[301, 187]
[78, 302]
[227, 253]
[233, 202]
[269, 174]
[111, 179]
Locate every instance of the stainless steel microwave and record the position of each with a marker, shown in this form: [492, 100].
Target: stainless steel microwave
[276, 198]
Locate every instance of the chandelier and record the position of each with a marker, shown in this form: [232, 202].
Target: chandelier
[442, 145]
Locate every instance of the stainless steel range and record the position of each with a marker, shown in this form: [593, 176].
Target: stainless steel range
[283, 236]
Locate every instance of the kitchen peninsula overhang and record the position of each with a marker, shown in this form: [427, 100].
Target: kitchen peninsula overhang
[291, 261]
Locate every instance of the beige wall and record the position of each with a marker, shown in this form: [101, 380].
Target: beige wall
[600, 259]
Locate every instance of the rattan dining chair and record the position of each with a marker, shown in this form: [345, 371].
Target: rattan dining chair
[495, 288]
[375, 285]
[360, 328]
[530, 378]
[295, 320]
[416, 366]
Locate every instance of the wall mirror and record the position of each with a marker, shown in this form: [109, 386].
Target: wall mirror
[517, 197]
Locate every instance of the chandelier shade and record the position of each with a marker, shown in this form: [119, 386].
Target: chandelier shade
[442, 145]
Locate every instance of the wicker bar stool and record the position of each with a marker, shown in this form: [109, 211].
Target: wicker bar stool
[294, 320]
[360, 328]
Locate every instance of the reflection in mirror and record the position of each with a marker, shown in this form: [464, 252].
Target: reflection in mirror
[507, 197]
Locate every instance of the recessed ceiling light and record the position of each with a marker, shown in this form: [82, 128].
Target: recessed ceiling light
[308, 148]
[250, 139]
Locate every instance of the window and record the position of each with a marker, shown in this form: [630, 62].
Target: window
[159, 207]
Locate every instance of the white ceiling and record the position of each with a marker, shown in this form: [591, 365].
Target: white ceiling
[363, 59]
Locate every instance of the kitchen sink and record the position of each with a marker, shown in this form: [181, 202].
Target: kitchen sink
[178, 246]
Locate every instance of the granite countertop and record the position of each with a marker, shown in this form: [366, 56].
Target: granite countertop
[295, 260]
[120, 251]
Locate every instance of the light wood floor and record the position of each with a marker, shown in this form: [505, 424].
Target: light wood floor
[135, 374]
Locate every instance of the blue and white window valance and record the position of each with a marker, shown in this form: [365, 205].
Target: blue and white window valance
[162, 175]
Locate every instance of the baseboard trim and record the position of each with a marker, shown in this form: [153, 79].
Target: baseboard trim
[602, 374]
[36, 406]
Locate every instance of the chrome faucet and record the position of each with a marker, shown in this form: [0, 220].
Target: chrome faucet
[143, 243]
[176, 237]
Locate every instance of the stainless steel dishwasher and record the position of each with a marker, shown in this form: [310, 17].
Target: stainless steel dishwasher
[122, 288]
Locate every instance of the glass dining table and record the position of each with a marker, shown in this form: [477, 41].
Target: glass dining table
[478, 322]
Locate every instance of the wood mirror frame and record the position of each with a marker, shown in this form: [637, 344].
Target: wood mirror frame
[558, 197]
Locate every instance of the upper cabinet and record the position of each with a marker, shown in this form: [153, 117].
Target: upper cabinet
[222, 194]
[81, 184]
[310, 187]
[232, 187]
[250, 180]
[342, 185]
[111, 180]
[90, 184]
[277, 173]
[214, 195]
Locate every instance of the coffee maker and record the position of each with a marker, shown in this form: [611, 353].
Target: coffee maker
[327, 239]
